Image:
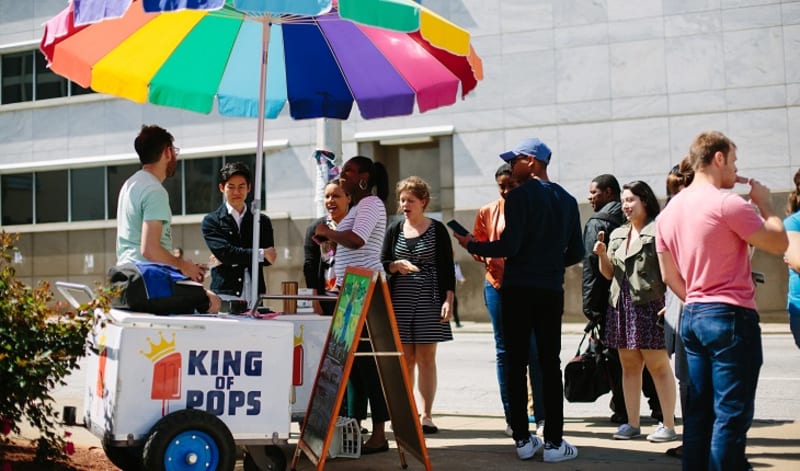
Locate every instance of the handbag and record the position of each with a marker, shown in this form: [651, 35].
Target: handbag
[585, 376]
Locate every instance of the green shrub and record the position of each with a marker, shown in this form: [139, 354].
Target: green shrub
[40, 343]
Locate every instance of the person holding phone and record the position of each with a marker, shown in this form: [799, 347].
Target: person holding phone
[418, 257]
[541, 238]
[489, 224]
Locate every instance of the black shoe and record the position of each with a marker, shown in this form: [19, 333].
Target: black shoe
[676, 452]
[430, 429]
[368, 450]
[618, 418]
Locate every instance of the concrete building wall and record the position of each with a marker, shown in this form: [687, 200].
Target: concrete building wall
[617, 86]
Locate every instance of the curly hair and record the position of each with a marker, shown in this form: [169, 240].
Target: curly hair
[417, 187]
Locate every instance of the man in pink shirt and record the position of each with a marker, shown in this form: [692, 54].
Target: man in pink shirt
[703, 239]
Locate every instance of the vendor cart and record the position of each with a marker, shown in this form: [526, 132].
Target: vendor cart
[183, 391]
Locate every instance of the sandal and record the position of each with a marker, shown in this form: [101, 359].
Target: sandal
[428, 427]
[369, 450]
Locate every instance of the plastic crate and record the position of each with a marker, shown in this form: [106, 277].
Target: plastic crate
[346, 441]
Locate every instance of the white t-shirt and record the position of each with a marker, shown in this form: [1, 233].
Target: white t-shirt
[368, 220]
[142, 198]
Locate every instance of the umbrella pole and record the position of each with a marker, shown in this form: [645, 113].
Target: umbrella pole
[256, 208]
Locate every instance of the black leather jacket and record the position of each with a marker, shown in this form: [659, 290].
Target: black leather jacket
[233, 248]
[595, 285]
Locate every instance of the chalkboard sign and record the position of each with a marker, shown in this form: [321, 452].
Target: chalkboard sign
[337, 359]
[360, 304]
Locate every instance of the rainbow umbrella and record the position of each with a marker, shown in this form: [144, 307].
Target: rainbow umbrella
[252, 57]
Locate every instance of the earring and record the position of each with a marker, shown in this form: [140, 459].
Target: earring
[362, 184]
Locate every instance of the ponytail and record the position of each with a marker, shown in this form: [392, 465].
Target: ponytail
[378, 177]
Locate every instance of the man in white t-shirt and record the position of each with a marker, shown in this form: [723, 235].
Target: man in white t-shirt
[144, 218]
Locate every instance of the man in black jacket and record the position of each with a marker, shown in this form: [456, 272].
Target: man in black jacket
[541, 238]
[228, 232]
[604, 196]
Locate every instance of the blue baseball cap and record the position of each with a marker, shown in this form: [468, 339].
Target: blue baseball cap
[532, 147]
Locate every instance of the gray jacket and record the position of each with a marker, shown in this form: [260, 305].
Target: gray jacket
[640, 265]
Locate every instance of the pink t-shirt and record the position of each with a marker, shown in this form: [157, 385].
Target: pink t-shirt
[704, 229]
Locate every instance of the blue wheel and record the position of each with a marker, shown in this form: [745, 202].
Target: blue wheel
[189, 440]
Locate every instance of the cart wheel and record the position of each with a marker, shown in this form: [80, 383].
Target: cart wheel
[126, 458]
[189, 440]
[272, 455]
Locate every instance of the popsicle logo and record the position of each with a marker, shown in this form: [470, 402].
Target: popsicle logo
[166, 371]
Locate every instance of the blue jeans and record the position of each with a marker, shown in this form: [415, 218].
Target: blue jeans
[491, 297]
[794, 322]
[724, 355]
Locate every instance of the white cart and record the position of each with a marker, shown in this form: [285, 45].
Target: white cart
[181, 392]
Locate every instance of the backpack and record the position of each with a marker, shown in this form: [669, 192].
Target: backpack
[156, 288]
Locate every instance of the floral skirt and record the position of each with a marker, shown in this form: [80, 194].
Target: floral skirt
[633, 326]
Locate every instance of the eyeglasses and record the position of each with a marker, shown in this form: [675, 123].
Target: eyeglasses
[177, 150]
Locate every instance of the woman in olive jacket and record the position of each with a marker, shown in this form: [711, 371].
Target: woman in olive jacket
[635, 299]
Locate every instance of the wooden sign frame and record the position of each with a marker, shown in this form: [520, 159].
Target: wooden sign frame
[366, 293]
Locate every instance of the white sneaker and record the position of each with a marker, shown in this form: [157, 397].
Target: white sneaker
[563, 453]
[663, 434]
[527, 448]
[509, 432]
[540, 428]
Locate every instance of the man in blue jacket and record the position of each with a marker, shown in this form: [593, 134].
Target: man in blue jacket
[542, 236]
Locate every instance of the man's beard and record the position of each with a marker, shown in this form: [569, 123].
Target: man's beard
[172, 167]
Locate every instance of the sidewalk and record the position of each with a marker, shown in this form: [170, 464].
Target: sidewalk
[475, 441]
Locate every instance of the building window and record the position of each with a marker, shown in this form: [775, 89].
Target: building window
[86, 194]
[90, 194]
[51, 196]
[25, 77]
[117, 174]
[17, 197]
[202, 192]
[17, 70]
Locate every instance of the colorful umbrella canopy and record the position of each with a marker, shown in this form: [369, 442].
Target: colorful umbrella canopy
[254, 56]
[319, 64]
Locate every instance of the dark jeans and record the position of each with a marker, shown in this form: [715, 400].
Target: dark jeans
[724, 354]
[529, 310]
[491, 297]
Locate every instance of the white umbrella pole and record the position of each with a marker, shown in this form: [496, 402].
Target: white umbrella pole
[256, 208]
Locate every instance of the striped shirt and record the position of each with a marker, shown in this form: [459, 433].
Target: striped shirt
[367, 220]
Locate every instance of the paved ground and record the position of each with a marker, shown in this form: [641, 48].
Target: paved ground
[471, 427]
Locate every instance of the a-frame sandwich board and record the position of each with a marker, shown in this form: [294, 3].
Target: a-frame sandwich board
[364, 303]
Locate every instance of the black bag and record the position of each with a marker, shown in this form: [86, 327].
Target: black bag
[156, 288]
[585, 376]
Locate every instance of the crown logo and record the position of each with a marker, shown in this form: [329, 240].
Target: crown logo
[160, 350]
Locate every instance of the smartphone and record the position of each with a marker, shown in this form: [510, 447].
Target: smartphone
[457, 227]
[318, 240]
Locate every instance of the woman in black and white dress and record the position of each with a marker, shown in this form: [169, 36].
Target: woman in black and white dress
[418, 257]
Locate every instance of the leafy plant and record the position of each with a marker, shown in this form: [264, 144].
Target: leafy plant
[41, 342]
